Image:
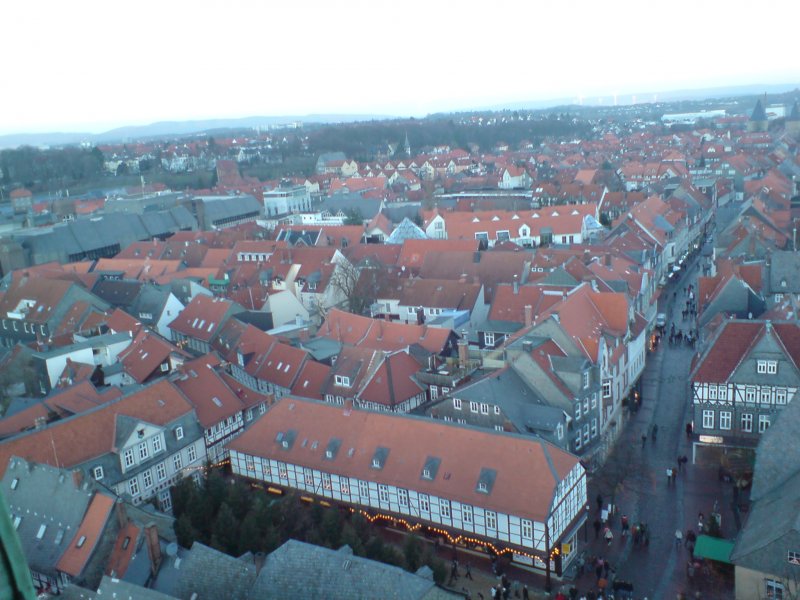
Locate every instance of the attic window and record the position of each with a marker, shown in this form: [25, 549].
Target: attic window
[342, 380]
[379, 458]
[126, 542]
[14, 483]
[431, 467]
[59, 537]
[81, 542]
[40, 533]
[179, 433]
[140, 433]
[17, 521]
[210, 327]
[486, 481]
[217, 401]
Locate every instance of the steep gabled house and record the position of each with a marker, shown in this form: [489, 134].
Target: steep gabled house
[148, 357]
[197, 324]
[742, 382]
[64, 524]
[375, 380]
[735, 290]
[219, 410]
[513, 308]
[33, 308]
[136, 445]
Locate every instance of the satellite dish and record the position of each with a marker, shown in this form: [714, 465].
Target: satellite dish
[172, 549]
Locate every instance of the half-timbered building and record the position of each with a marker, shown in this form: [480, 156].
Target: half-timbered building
[503, 492]
[742, 382]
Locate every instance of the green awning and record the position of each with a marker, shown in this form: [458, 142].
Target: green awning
[713, 548]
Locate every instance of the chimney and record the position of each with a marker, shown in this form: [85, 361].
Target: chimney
[608, 259]
[153, 547]
[122, 513]
[463, 350]
[77, 478]
[528, 315]
[348, 407]
[515, 286]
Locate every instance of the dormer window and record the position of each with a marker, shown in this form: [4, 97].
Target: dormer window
[179, 433]
[379, 458]
[98, 473]
[343, 381]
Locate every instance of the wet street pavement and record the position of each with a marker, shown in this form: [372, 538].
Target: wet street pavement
[658, 570]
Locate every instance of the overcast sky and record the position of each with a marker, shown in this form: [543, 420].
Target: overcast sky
[94, 65]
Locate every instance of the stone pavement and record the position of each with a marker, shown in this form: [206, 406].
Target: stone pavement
[658, 570]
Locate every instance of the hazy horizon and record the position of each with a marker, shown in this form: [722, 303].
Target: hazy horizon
[182, 60]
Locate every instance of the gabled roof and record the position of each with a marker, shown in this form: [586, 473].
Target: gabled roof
[77, 554]
[75, 440]
[527, 469]
[213, 400]
[311, 380]
[202, 317]
[393, 381]
[147, 352]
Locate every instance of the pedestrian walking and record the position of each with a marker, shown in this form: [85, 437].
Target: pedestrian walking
[606, 568]
[625, 525]
[453, 571]
[597, 526]
[525, 594]
[689, 430]
[644, 439]
[678, 537]
[680, 463]
[655, 433]
[701, 522]
[608, 535]
[468, 573]
[599, 501]
[669, 475]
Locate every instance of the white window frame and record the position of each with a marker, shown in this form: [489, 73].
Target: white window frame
[484, 408]
[363, 489]
[578, 407]
[97, 472]
[774, 589]
[725, 419]
[765, 395]
[496, 409]
[424, 503]
[344, 486]
[761, 366]
[708, 419]
[466, 513]
[179, 433]
[527, 529]
[473, 407]
[763, 423]
[157, 446]
[780, 396]
[747, 422]
[177, 462]
[133, 487]
[491, 519]
[144, 451]
[444, 508]
[585, 379]
[772, 367]
[129, 458]
[165, 499]
[402, 497]
[161, 471]
[457, 403]
[383, 492]
[147, 479]
[488, 339]
[722, 392]
[750, 394]
[434, 392]
[712, 391]
[192, 454]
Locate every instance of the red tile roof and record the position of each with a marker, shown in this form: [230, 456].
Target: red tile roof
[208, 392]
[74, 559]
[310, 381]
[201, 318]
[72, 441]
[527, 469]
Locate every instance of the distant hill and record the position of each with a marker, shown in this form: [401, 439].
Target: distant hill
[644, 97]
[172, 128]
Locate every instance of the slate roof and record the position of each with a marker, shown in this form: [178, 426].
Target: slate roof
[301, 570]
[212, 574]
[44, 496]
